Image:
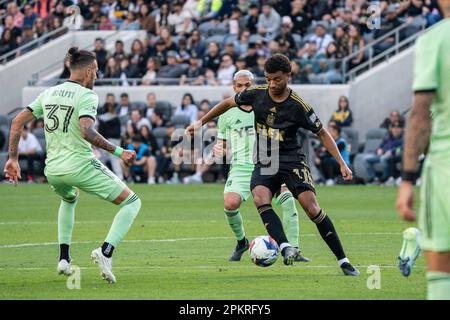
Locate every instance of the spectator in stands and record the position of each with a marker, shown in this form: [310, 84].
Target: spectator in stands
[136, 122]
[172, 69]
[241, 45]
[162, 18]
[309, 56]
[159, 52]
[119, 51]
[110, 99]
[299, 17]
[394, 117]
[388, 23]
[187, 108]
[321, 37]
[157, 119]
[269, 22]
[39, 28]
[258, 71]
[325, 162]
[226, 70]
[317, 9]
[151, 105]
[57, 12]
[149, 139]
[55, 23]
[251, 20]
[15, 31]
[150, 75]
[29, 17]
[343, 115]
[183, 52]
[297, 74]
[209, 9]
[286, 35]
[166, 36]
[105, 23]
[130, 23]
[236, 22]
[30, 150]
[112, 70]
[212, 58]
[146, 20]
[124, 108]
[193, 72]
[180, 20]
[137, 58]
[241, 64]
[230, 50]
[355, 44]
[7, 42]
[65, 74]
[27, 37]
[109, 127]
[390, 147]
[18, 16]
[195, 44]
[101, 54]
[74, 20]
[341, 40]
[145, 164]
[43, 8]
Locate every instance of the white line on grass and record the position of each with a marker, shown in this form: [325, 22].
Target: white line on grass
[24, 245]
[221, 267]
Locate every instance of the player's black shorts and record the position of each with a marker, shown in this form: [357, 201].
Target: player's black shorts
[295, 175]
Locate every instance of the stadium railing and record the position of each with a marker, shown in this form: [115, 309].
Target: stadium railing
[36, 43]
[373, 60]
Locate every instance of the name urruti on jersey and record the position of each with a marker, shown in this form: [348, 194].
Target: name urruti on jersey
[64, 93]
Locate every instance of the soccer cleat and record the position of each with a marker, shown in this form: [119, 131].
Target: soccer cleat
[410, 251]
[64, 267]
[349, 270]
[289, 255]
[105, 265]
[300, 258]
[237, 253]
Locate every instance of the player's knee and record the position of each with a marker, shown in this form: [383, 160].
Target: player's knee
[231, 203]
[311, 209]
[260, 200]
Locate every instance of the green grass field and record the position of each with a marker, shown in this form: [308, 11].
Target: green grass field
[180, 242]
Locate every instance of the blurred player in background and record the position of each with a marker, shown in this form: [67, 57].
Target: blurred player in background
[430, 117]
[236, 130]
[69, 111]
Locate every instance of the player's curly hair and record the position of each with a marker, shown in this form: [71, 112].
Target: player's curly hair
[79, 58]
[278, 62]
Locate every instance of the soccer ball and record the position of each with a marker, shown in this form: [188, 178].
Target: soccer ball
[264, 251]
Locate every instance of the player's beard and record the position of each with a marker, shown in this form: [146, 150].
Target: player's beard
[90, 84]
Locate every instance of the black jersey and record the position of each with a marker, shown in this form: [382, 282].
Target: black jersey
[277, 123]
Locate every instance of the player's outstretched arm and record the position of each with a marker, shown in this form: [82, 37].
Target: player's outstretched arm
[220, 108]
[91, 135]
[417, 136]
[12, 168]
[329, 143]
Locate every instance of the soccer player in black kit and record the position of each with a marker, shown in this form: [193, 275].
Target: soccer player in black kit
[279, 113]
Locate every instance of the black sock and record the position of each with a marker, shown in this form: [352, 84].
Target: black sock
[272, 223]
[329, 234]
[64, 252]
[107, 249]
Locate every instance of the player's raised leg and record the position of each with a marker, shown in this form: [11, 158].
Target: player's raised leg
[323, 222]
[232, 202]
[290, 220]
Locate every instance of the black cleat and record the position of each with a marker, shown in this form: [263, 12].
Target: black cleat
[349, 270]
[301, 258]
[289, 254]
[239, 251]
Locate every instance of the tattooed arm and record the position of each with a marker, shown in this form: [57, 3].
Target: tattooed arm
[12, 168]
[91, 135]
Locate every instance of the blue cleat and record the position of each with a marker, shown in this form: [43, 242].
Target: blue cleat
[410, 251]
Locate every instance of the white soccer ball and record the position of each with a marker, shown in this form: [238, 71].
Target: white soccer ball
[264, 251]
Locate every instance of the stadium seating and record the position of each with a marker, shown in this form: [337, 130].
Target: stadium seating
[373, 140]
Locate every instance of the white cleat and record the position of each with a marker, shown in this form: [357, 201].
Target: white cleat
[105, 265]
[64, 267]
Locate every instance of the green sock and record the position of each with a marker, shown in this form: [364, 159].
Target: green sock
[290, 217]
[438, 285]
[66, 219]
[235, 221]
[123, 220]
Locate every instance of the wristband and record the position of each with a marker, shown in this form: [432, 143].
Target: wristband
[118, 151]
[410, 176]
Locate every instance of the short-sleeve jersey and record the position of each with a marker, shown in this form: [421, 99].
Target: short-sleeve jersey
[277, 123]
[236, 126]
[431, 73]
[61, 107]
